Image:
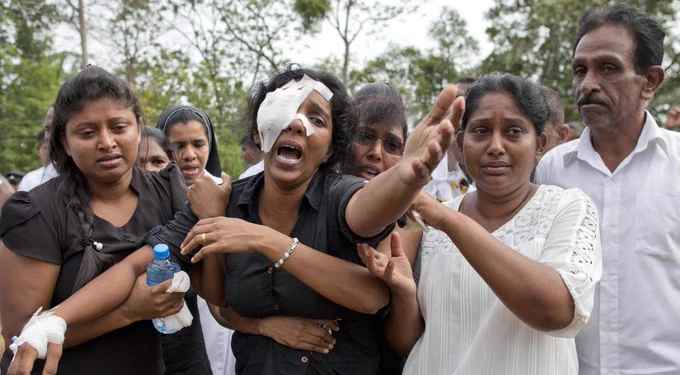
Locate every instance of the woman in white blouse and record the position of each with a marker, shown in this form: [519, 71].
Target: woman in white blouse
[509, 274]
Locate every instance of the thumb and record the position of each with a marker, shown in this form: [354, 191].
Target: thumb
[162, 287]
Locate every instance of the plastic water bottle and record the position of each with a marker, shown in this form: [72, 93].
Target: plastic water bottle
[159, 270]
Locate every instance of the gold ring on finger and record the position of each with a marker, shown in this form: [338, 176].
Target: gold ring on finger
[203, 238]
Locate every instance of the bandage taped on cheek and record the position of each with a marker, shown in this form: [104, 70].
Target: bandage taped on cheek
[280, 107]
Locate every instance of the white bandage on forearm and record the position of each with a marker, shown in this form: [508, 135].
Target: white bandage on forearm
[43, 328]
[181, 284]
[280, 107]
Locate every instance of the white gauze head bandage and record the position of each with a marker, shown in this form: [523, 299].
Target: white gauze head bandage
[279, 108]
[41, 329]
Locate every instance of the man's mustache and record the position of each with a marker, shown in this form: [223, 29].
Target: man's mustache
[585, 100]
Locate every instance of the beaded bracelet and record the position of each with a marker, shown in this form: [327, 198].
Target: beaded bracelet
[287, 254]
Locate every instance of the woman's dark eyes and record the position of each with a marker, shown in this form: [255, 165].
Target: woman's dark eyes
[119, 127]
[317, 121]
[515, 130]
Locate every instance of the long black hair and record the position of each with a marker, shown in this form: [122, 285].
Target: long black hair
[181, 114]
[341, 108]
[92, 83]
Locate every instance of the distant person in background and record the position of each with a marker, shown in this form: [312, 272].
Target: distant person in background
[192, 137]
[673, 118]
[47, 171]
[250, 151]
[556, 131]
[155, 152]
[251, 155]
[14, 178]
[449, 179]
[575, 130]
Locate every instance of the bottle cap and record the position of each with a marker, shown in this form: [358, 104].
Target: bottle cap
[161, 251]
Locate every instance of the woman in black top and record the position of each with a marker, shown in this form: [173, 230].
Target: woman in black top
[299, 195]
[329, 213]
[59, 236]
[184, 352]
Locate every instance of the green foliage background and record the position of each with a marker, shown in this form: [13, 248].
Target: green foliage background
[240, 42]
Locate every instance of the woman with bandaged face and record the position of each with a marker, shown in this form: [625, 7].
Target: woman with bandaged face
[286, 245]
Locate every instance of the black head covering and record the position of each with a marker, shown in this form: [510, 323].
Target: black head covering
[180, 113]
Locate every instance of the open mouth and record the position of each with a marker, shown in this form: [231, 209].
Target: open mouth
[191, 171]
[289, 153]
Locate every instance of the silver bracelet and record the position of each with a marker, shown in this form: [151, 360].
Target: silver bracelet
[287, 254]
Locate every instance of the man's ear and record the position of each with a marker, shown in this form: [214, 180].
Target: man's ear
[653, 79]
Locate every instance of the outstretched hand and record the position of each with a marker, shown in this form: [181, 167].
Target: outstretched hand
[428, 143]
[390, 264]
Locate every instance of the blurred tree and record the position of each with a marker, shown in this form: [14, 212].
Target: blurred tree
[421, 74]
[29, 78]
[350, 18]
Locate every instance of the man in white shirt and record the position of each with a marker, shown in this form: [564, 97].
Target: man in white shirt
[47, 171]
[251, 155]
[630, 167]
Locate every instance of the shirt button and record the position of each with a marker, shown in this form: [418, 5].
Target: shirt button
[304, 359]
[270, 270]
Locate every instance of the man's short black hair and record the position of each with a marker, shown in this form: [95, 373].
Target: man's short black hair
[647, 33]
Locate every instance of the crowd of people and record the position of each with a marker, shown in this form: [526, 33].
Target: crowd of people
[493, 238]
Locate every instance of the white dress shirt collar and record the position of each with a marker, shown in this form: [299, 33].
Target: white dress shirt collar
[651, 134]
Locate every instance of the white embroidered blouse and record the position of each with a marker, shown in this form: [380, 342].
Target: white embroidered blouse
[468, 330]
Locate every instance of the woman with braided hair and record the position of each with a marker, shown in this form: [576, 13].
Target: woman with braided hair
[58, 237]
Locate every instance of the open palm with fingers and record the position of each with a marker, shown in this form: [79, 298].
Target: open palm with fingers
[389, 263]
[429, 141]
